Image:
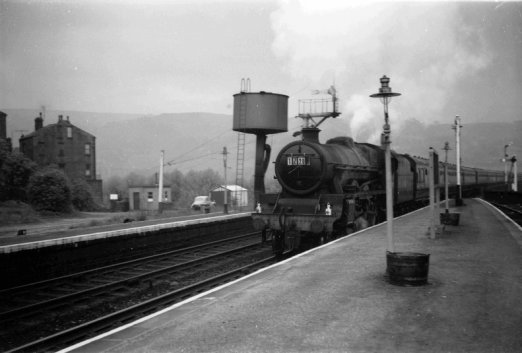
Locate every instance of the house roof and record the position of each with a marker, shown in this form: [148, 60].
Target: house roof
[52, 126]
[229, 188]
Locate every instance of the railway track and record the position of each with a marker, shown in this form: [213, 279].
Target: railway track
[513, 211]
[55, 313]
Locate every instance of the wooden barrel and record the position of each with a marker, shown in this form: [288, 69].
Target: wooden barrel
[450, 219]
[407, 268]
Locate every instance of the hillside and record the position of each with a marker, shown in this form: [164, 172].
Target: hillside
[132, 143]
[482, 144]
[190, 141]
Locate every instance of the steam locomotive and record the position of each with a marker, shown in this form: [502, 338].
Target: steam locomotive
[338, 187]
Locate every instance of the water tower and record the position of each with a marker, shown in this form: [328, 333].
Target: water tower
[260, 113]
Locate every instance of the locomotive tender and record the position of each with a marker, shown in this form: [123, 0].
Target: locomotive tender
[338, 187]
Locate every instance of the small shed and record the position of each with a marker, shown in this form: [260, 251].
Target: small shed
[145, 198]
[236, 195]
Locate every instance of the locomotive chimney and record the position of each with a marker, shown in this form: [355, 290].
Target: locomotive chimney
[310, 134]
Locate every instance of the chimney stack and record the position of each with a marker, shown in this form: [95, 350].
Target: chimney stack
[38, 123]
[310, 134]
[3, 125]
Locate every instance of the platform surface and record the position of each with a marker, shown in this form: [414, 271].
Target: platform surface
[336, 299]
[35, 238]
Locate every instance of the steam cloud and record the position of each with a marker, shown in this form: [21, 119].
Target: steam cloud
[425, 47]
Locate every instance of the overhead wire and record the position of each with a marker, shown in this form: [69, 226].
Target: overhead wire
[198, 146]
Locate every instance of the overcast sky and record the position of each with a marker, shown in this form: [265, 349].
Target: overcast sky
[153, 57]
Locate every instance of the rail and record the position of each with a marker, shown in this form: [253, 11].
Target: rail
[136, 279]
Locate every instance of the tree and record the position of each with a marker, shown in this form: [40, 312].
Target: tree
[50, 190]
[201, 182]
[135, 179]
[81, 195]
[116, 185]
[176, 180]
[184, 186]
[15, 171]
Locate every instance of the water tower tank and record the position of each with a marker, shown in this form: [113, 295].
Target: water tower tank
[260, 113]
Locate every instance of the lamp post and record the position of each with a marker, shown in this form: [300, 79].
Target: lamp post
[385, 94]
[456, 127]
[446, 193]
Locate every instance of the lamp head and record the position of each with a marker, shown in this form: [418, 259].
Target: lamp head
[385, 91]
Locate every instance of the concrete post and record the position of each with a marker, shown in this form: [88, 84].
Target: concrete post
[160, 182]
[457, 126]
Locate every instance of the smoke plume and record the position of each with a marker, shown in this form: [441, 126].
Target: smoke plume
[424, 47]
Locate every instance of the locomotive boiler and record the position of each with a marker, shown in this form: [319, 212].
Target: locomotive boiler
[327, 190]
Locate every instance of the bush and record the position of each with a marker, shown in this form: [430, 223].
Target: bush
[49, 190]
[81, 196]
[15, 212]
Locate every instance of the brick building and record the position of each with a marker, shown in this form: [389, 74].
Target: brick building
[145, 197]
[67, 146]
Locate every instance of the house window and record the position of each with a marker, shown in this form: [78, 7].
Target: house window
[87, 149]
[61, 165]
[61, 153]
[69, 132]
[87, 170]
[150, 196]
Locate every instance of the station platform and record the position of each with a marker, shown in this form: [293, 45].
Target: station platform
[34, 239]
[335, 298]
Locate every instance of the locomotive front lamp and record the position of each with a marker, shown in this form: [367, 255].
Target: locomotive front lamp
[385, 95]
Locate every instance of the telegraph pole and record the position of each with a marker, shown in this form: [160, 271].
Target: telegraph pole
[160, 182]
[225, 202]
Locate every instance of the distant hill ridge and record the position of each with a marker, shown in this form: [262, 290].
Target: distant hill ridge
[132, 142]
